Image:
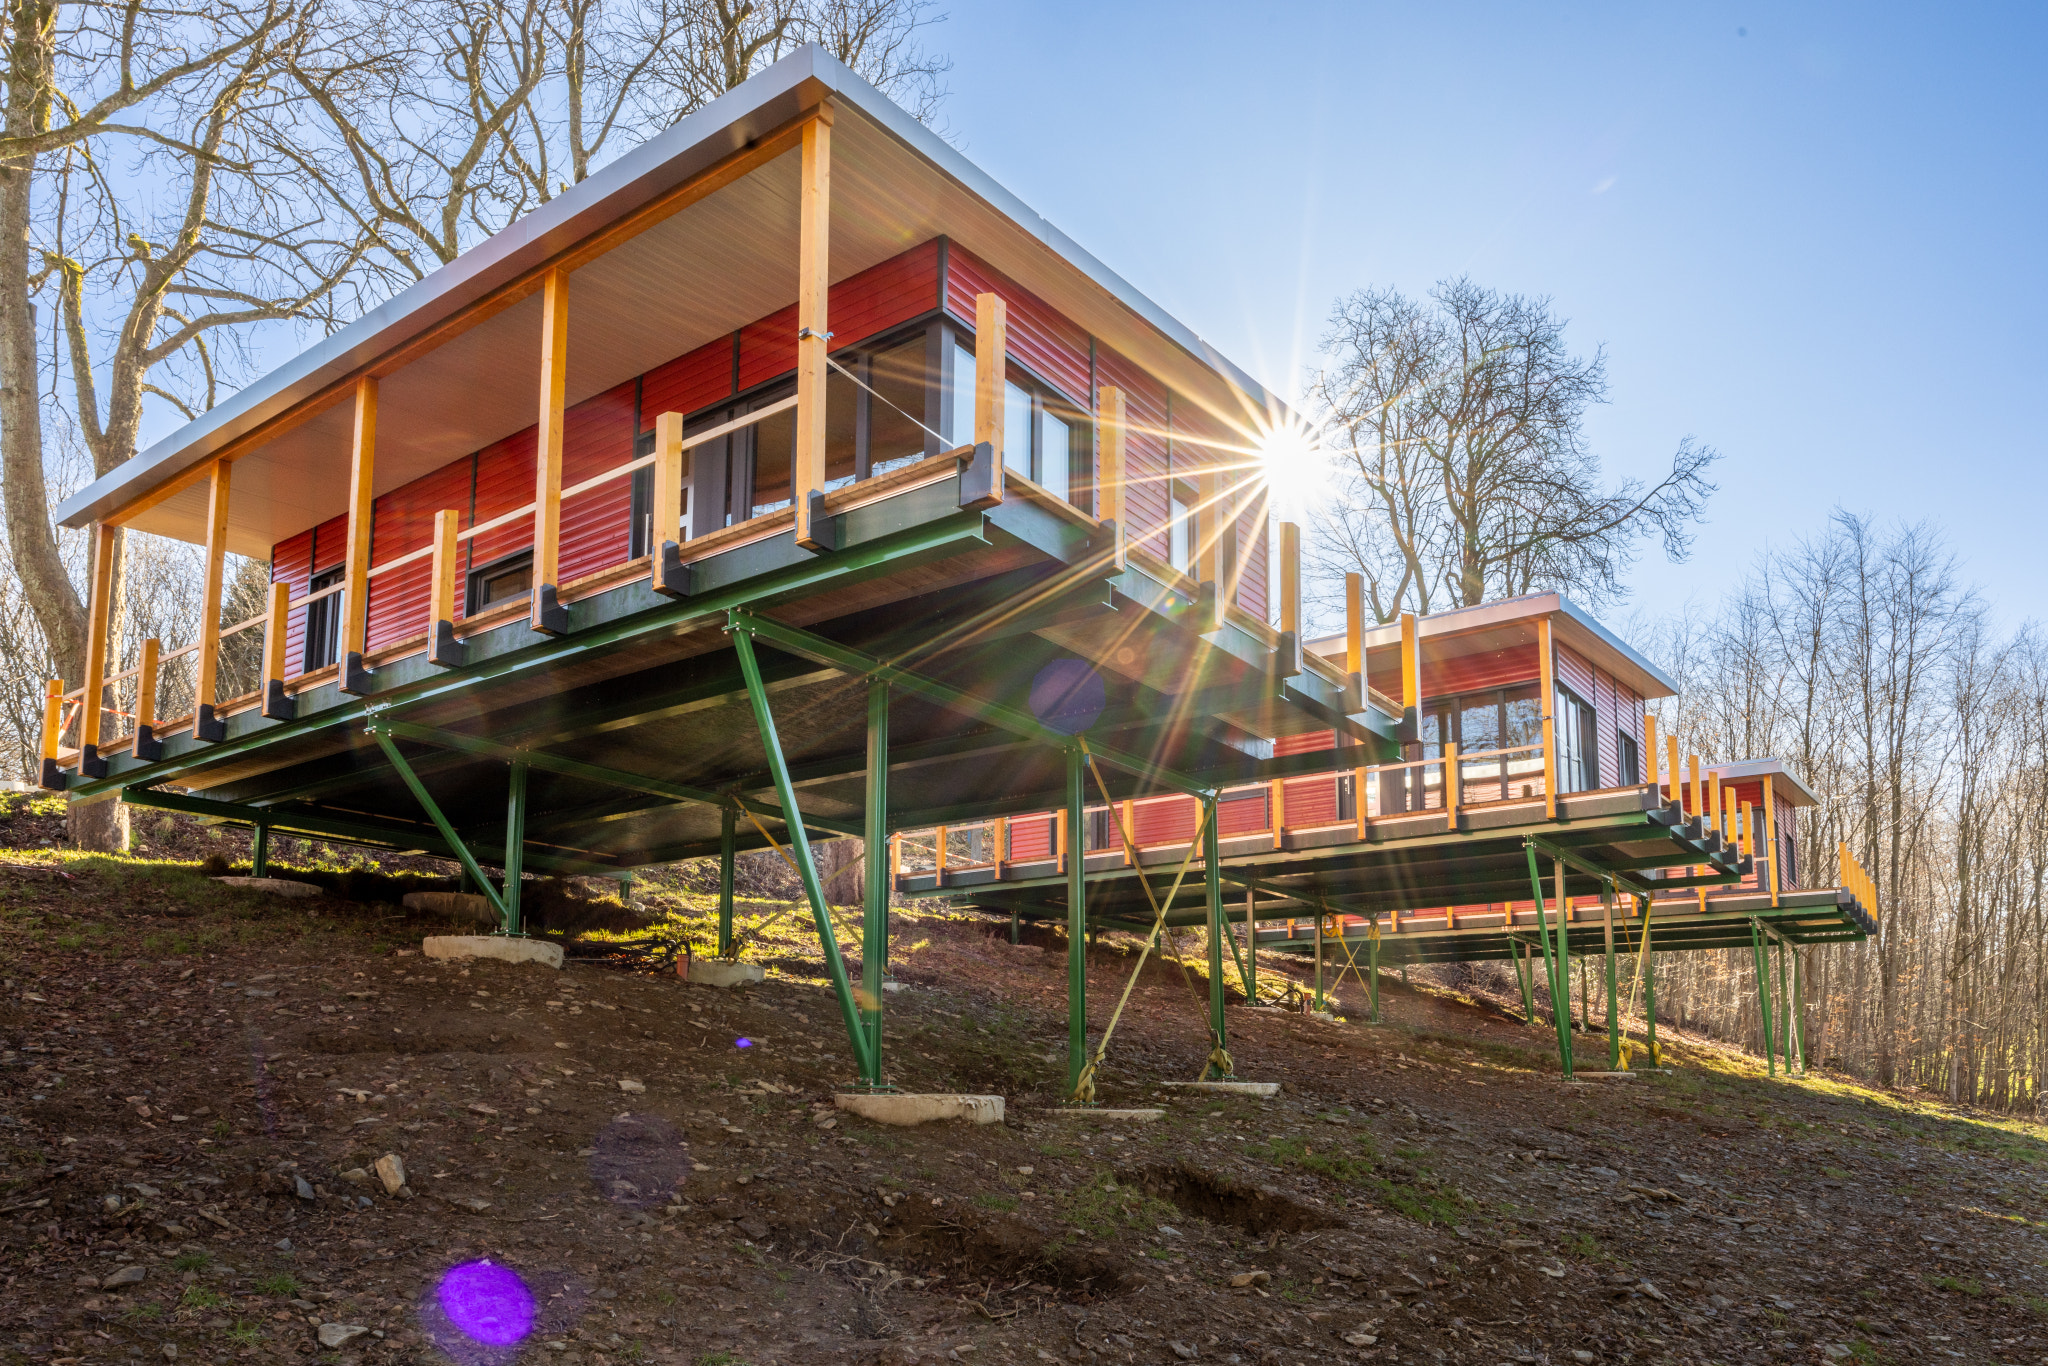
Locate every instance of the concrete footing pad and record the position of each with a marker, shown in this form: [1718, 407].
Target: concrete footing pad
[887, 1107]
[502, 947]
[717, 972]
[1142, 1115]
[276, 886]
[1234, 1088]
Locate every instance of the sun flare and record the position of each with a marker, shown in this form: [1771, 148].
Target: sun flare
[1295, 466]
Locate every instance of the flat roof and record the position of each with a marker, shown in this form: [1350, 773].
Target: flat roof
[711, 268]
[1574, 625]
[1782, 778]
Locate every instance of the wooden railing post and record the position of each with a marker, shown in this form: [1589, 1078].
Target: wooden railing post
[53, 734]
[1650, 755]
[1717, 813]
[1109, 478]
[99, 619]
[277, 704]
[1290, 587]
[1277, 799]
[205, 725]
[362, 502]
[981, 478]
[668, 575]
[148, 748]
[545, 611]
[1452, 786]
[814, 338]
[999, 835]
[443, 649]
[1546, 669]
[1699, 797]
[1674, 774]
[1771, 836]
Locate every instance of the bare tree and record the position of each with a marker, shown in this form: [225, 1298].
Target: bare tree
[1459, 424]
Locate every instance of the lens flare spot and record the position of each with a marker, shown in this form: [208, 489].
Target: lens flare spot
[742, 1043]
[488, 1303]
[1067, 696]
[865, 999]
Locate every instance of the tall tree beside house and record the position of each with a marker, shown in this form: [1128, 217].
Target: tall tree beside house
[1458, 427]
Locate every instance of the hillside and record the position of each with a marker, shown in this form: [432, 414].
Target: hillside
[197, 1084]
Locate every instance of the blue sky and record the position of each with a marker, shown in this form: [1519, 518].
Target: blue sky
[1811, 236]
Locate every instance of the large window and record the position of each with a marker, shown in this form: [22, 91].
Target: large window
[1038, 426]
[1578, 744]
[1627, 757]
[323, 621]
[501, 580]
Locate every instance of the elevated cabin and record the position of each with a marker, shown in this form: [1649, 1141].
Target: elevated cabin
[788, 478]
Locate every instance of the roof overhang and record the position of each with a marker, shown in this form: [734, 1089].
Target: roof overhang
[724, 261]
[1783, 780]
[1512, 621]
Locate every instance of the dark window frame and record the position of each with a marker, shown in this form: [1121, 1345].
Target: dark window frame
[474, 582]
[321, 645]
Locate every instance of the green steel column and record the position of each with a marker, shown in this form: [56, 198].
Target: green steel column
[1014, 936]
[1799, 1007]
[800, 848]
[874, 941]
[515, 844]
[1649, 953]
[1763, 993]
[259, 853]
[1373, 956]
[437, 816]
[1077, 923]
[1212, 877]
[1785, 1009]
[1564, 970]
[1613, 1007]
[1251, 948]
[1518, 954]
[1555, 965]
[728, 827]
[1319, 959]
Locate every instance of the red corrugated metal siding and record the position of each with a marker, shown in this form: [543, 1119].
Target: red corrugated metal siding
[597, 435]
[1459, 674]
[859, 307]
[1205, 440]
[1145, 487]
[1305, 744]
[1030, 838]
[291, 561]
[1245, 815]
[1574, 672]
[1310, 802]
[330, 543]
[1039, 337]
[1607, 761]
[1170, 820]
[402, 523]
[1251, 558]
[687, 383]
[504, 481]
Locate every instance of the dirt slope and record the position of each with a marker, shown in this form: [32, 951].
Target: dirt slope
[196, 1086]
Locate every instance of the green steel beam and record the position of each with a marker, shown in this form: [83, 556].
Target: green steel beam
[800, 850]
[857, 663]
[448, 835]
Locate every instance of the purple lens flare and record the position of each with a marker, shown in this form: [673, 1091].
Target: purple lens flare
[487, 1303]
[1068, 696]
[742, 1043]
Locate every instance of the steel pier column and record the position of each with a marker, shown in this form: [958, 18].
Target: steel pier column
[800, 848]
[1613, 1007]
[1785, 1008]
[1799, 1008]
[1649, 952]
[874, 939]
[1077, 923]
[1212, 877]
[1319, 958]
[1763, 993]
[259, 852]
[728, 827]
[515, 844]
[1372, 953]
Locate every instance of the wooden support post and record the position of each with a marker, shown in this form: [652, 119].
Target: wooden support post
[148, 748]
[277, 703]
[999, 839]
[545, 611]
[443, 648]
[1109, 479]
[1451, 790]
[1650, 754]
[53, 734]
[98, 623]
[1276, 797]
[1700, 812]
[1546, 686]
[981, 479]
[1290, 586]
[939, 865]
[1354, 638]
[668, 575]
[1131, 824]
[1673, 774]
[355, 595]
[1717, 810]
[205, 726]
[1771, 836]
[814, 336]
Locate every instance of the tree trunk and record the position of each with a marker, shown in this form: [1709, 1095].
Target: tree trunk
[99, 827]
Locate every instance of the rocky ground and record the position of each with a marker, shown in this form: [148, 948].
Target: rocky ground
[238, 1128]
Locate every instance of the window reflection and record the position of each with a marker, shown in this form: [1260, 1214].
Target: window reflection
[1055, 454]
[897, 406]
